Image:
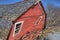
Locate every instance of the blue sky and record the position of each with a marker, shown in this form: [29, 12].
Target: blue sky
[54, 2]
[9, 1]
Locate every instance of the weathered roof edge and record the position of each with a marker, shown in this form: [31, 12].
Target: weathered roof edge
[16, 12]
[31, 4]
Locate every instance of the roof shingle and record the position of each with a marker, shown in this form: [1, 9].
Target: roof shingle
[12, 11]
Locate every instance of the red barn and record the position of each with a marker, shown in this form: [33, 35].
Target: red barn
[28, 25]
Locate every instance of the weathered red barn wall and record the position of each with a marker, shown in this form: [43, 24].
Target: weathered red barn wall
[30, 17]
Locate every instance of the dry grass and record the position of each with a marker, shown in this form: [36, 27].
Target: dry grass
[51, 30]
[3, 34]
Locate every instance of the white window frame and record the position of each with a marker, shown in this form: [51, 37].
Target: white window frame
[15, 27]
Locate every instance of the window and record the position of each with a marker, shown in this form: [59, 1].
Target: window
[17, 28]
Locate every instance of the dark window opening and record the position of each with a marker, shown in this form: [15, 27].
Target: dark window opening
[18, 27]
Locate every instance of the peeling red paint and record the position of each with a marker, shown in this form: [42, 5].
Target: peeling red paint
[33, 23]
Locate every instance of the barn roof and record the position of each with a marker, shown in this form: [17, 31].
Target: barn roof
[12, 11]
